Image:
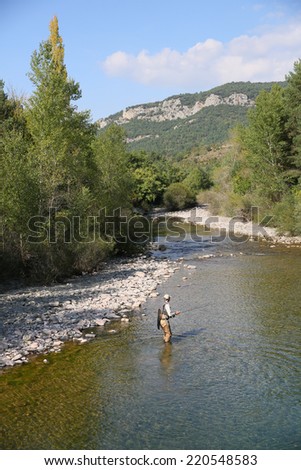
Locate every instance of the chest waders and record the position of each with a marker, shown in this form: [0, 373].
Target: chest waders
[163, 322]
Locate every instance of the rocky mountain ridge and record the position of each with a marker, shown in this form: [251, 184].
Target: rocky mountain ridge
[172, 109]
[182, 122]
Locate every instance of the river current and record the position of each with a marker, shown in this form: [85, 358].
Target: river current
[231, 379]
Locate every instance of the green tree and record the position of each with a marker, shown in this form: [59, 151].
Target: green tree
[293, 107]
[60, 136]
[148, 186]
[197, 180]
[177, 197]
[114, 178]
[266, 145]
[18, 190]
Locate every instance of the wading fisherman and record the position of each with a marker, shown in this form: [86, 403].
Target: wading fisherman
[163, 318]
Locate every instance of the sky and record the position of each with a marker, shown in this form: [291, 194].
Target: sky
[129, 52]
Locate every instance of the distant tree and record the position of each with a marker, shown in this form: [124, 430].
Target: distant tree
[148, 187]
[177, 197]
[197, 180]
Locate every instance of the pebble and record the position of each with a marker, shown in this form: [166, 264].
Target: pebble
[39, 320]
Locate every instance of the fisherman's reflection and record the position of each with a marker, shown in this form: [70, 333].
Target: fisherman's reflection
[166, 357]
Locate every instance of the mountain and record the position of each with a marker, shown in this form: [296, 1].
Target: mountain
[179, 123]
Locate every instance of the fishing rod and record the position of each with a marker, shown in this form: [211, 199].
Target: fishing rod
[195, 308]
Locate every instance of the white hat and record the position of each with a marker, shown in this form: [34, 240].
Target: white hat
[167, 297]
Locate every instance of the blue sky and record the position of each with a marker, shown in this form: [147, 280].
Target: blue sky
[127, 52]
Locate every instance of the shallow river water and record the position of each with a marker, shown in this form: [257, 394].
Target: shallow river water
[231, 379]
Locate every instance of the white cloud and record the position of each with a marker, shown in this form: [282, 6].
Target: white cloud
[264, 57]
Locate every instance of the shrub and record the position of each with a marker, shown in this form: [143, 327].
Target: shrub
[287, 214]
[177, 197]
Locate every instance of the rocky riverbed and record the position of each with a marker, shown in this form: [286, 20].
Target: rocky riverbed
[233, 225]
[40, 319]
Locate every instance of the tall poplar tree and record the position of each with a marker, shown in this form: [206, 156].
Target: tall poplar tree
[60, 135]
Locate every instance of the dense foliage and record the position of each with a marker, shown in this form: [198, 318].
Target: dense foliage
[263, 168]
[61, 183]
[178, 137]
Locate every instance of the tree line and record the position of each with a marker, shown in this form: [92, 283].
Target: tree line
[60, 181]
[67, 191]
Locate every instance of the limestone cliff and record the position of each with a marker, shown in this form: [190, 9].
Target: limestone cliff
[172, 109]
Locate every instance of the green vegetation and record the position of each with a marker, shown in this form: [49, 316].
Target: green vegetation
[60, 180]
[210, 125]
[263, 168]
[68, 190]
[177, 196]
[250, 89]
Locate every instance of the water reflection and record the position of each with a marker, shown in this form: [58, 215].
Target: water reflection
[166, 357]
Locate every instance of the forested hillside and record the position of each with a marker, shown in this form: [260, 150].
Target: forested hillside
[179, 123]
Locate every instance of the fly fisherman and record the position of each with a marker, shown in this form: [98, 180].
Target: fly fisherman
[163, 318]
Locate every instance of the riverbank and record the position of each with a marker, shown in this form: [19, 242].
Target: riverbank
[39, 320]
[233, 226]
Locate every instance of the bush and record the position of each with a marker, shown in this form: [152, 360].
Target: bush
[197, 179]
[177, 197]
[287, 214]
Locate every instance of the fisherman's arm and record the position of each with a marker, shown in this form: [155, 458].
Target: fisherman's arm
[169, 313]
[174, 314]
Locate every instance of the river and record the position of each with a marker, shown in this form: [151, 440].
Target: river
[231, 379]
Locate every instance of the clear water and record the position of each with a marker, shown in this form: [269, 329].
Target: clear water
[231, 379]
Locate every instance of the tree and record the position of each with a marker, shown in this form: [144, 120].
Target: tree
[177, 197]
[148, 187]
[60, 136]
[114, 178]
[197, 179]
[293, 106]
[266, 145]
[18, 189]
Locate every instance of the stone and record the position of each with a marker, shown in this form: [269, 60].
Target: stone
[136, 305]
[95, 302]
[82, 324]
[112, 316]
[101, 321]
[16, 357]
[140, 274]
[32, 346]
